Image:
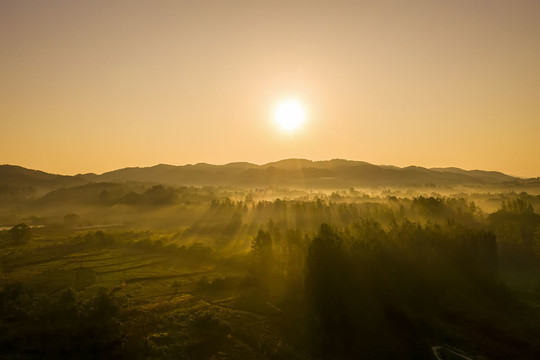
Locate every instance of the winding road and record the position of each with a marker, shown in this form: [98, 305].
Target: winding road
[437, 352]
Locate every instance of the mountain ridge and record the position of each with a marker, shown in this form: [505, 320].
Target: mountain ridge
[285, 172]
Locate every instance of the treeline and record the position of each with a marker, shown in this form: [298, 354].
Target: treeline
[10, 193]
[228, 222]
[375, 291]
[397, 289]
[517, 227]
[393, 292]
[41, 326]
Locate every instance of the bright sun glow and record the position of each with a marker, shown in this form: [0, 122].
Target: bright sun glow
[290, 115]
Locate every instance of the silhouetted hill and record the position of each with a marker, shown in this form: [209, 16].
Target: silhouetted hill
[296, 164]
[39, 180]
[95, 193]
[494, 176]
[288, 172]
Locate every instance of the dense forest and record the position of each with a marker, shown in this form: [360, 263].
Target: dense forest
[138, 271]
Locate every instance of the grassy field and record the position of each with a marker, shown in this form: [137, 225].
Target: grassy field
[159, 291]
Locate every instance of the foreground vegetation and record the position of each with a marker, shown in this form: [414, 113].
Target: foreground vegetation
[157, 273]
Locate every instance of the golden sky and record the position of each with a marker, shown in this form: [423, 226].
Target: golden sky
[91, 86]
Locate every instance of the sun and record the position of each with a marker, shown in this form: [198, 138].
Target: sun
[290, 115]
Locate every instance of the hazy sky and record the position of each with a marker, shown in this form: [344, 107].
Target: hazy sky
[90, 86]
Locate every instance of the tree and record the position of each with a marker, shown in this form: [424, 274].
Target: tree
[261, 250]
[517, 206]
[20, 234]
[176, 285]
[72, 219]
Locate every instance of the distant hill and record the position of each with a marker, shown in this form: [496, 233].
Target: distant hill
[18, 176]
[493, 176]
[288, 172]
[102, 192]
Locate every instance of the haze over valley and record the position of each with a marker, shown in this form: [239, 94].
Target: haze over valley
[270, 179]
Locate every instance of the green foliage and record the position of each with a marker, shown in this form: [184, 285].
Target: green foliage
[262, 253]
[176, 285]
[58, 327]
[10, 193]
[516, 227]
[99, 238]
[273, 273]
[368, 287]
[72, 219]
[20, 234]
[517, 206]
